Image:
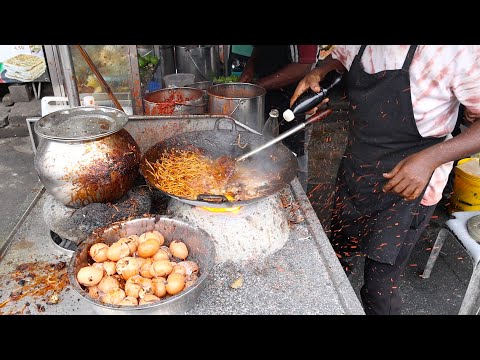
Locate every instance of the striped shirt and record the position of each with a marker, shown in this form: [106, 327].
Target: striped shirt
[441, 77]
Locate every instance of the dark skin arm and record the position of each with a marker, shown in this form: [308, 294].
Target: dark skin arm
[249, 71]
[411, 175]
[285, 76]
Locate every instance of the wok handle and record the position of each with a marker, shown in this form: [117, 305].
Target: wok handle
[318, 116]
[212, 198]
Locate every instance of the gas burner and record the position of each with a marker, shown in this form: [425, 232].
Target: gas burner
[63, 244]
[252, 232]
[77, 224]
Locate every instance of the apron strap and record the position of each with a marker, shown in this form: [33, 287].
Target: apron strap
[409, 58]
[360, 52]
[358, 57]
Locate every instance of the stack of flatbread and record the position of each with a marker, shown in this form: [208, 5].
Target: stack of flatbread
[24, 67]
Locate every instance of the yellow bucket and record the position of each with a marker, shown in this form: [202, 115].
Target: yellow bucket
[466, 190]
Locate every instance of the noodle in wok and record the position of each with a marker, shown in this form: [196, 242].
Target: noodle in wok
[187, 174]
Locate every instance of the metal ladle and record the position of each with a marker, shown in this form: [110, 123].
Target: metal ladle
[225, 165]
[314, 118]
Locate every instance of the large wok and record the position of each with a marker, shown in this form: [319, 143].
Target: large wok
[268, 172]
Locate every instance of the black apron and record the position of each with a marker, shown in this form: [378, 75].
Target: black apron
[382, 132]
[270, 59]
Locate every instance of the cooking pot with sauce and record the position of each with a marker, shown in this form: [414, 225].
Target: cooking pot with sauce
[175, 101]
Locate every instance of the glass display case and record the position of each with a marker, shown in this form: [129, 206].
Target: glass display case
[114, 64]
[118, 65]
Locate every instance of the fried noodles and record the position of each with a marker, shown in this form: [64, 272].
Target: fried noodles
[187, 174]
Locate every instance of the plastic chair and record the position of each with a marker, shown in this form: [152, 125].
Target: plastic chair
[48, 107]
[457, 227]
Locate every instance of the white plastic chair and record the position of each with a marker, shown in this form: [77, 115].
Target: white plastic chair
[48, 106]
[457, 227]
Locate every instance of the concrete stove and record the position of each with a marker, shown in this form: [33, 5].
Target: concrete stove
[253, 232]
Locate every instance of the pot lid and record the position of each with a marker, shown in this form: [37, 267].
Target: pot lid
[81, 123]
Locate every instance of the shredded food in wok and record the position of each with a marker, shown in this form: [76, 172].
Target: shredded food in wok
[188, 173]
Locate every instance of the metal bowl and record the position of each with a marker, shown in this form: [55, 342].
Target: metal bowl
[201, 250]
[155, 102]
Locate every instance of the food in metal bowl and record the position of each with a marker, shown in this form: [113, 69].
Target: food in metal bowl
[166, 281]
[174, 101]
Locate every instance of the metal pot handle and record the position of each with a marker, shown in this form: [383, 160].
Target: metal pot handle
[240, 102]
[212, 198]
[217, 123]
[195, 64]
[239, 124]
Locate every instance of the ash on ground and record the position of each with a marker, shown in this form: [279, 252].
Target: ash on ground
[77, 224]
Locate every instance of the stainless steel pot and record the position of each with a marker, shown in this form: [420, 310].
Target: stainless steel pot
[175, 101]
[85, 155]
[204, 86]
[201, 60]
[242, 101]
[166, 59]
[201, 250]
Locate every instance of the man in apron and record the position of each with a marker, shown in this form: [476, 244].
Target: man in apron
[278, 69]
[404, 103]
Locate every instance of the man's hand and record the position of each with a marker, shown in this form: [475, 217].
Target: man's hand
[313, 78]
[312, 81]
[247, 75]
[410, 176]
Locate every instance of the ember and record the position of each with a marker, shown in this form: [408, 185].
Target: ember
[38, 280]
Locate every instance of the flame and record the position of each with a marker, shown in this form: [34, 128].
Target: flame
[234, 209]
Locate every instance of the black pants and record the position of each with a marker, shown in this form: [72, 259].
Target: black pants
[380, 291]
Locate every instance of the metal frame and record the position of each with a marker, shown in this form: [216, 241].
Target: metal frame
[135, 84]
[56, 75]
[68, 72]
[62, 75]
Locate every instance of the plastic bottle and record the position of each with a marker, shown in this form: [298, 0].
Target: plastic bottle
[309, 99]
[89, 100]
[271, 125]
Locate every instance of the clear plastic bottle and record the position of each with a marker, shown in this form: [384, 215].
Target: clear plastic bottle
[271, 125]
[89, 100]
[309, 99]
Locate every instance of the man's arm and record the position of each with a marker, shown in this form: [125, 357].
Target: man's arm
[287, 75]
[411, 175]
[249, 71]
